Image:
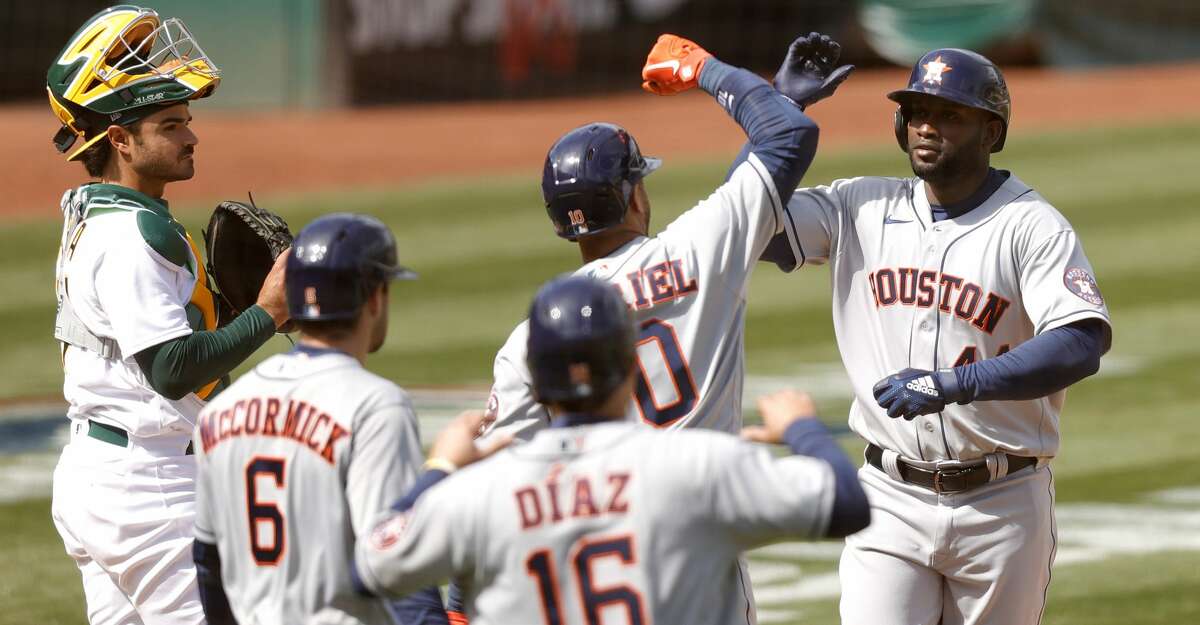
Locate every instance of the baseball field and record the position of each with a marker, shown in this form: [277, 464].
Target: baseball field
[1127, 480]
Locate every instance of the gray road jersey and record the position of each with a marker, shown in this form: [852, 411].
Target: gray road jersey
[608, 519]
[908, 292]
[302, 453]
[687, 288]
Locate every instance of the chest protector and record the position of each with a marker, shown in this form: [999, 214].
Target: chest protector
[168, 237]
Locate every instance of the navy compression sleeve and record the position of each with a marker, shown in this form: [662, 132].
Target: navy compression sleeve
[1045, 364]
[851, 511]
[779, 133]
[208, 580]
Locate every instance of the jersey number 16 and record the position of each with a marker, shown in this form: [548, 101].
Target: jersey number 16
[540, 566]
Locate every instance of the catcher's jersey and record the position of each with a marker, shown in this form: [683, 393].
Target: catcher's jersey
[908, 292]
[296, 458]
[132, 275]
[609, 521]
[687, 288]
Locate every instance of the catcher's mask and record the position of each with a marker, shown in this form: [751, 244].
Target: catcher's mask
[581, 341]
[335, 262]
[122, 65]
[960, 76]
[589, 177]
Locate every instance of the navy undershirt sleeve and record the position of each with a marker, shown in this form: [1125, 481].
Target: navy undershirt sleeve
[213, 600]
[423, 483]
[779, 133]
[423, 607]
[1045, 364]
[851, 510]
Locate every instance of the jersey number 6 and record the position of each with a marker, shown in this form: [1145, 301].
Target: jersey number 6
[670, 359]
[259, 513]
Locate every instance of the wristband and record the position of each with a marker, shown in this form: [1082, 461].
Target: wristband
[440, 464]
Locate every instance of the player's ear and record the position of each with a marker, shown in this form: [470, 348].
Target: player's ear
[639, 204]
[120, 138]
[992, 130]
[378, 299]
[642, 198]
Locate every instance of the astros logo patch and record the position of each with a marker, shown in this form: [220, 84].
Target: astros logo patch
[388, 533]
[1081, 283]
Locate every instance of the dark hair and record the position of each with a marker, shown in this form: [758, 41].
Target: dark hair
[588, 405]
[95, 158]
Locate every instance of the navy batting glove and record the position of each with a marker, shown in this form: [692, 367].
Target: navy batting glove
[808, 74]
[909, 393]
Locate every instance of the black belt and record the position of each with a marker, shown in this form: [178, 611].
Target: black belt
[114, 435]
[949, 479]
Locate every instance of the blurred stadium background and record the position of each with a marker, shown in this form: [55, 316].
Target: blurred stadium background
[435, 116]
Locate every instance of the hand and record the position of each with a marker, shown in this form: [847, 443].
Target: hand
[807, 74]
[673, 65]
[779, 410]
[272, 297]
[490, 414]
[456, 444]
[909, 393]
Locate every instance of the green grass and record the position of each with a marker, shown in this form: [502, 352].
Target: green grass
[483, 246]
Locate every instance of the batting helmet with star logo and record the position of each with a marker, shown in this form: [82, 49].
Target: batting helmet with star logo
[961, 76]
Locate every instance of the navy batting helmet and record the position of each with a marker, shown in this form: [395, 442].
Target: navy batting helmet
[589, 177]
[335, 262]
[960, 76]
[581, 341]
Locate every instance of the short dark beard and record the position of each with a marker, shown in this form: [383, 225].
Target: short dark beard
[951, 166]
[162, 170]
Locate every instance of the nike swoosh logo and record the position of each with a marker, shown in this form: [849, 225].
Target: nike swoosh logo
[673, 64]
[889, 220]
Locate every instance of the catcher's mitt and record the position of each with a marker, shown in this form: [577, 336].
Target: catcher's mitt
[242, 242]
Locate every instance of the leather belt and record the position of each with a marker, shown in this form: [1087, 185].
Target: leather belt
[114, 435]
[951, 479]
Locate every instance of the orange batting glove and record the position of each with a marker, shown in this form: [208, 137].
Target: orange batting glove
[673, 65]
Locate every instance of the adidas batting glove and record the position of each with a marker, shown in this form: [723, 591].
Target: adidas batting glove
[909, 393]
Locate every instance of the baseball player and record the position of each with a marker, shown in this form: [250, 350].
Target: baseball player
[687, 285]
[300, 454]
[964, 306]
[595, 516]
[140, 348]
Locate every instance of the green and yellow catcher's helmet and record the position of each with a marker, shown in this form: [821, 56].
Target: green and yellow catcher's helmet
[123, 64]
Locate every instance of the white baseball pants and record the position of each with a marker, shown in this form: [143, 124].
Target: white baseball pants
[980, 557]
[125, 516]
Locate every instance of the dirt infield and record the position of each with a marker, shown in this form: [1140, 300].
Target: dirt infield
[296, 152]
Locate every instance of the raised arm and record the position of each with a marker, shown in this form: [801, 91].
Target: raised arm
[809, 74]
[781, 135]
